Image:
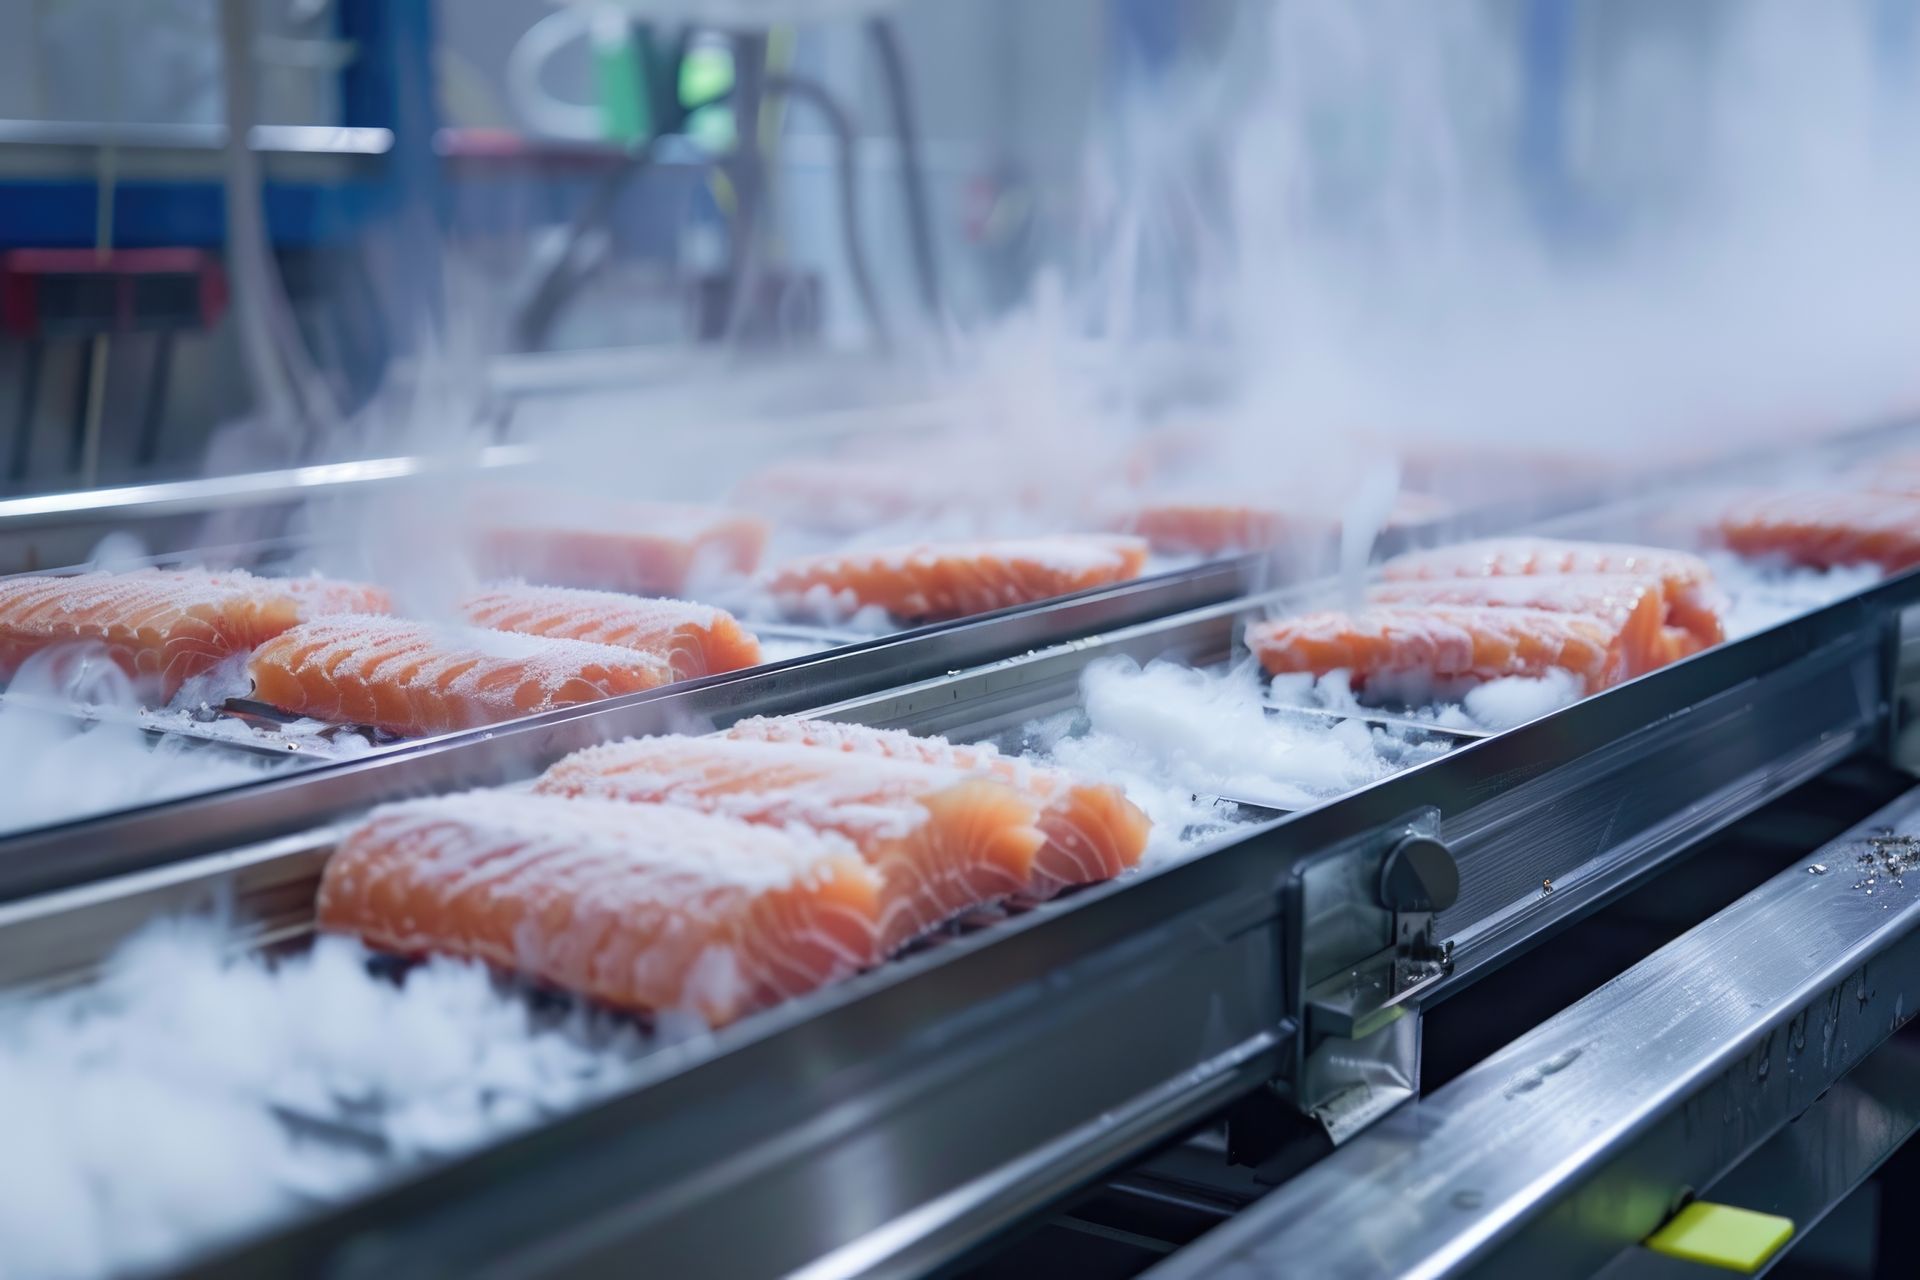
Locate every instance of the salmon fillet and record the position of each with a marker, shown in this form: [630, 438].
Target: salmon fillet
[1634, 604]
[645, 908]
[163, 626]
[1093, 831]
[413, 680]
[846, 496]
[640, 548]
[694, 639]
[1211, 528]
[934, 581]
[942, 841]
[1692, 602]
[1445, 643]
[1824, 529]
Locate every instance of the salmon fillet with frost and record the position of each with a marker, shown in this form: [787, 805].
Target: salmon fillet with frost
[643, 548]
[1212, 528]
[846, 496]
[942, 841]
[694, 639]
[164, 626]
[1445, 644]
[1093, 831]
[1692, 602]
[413, 680]
[642, 907]
[1636, 605]
[1825, 529]
[934, 581]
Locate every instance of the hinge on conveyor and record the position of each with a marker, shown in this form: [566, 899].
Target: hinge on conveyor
[1361, 1052]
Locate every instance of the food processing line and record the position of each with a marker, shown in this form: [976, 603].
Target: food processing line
[1236, 1034]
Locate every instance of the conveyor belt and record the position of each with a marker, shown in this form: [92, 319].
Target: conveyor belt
[889, 1125]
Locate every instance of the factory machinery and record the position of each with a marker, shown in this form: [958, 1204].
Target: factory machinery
[1216, 1066]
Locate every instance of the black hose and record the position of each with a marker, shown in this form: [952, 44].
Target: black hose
[549, 296]
[913, 179]
[748, 173]
[846, 171]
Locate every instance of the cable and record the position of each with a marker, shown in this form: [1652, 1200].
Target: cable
[913, 179]
[845, 167]
[535, 317]
[553, 288]
[749, 181]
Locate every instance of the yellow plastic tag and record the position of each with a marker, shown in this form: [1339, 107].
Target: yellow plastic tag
[1720, 1235]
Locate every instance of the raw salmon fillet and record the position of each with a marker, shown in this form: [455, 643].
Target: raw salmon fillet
[163, 626]
[1093, 831]
[412, 679]
[942, 841]
[1824, 529]
[1692, 602]
[1445, 644]
[933, 581]
[656, 548]
[694, 639]
[846, 496]
[1635, 604]
[642, 907]
[1211, 528]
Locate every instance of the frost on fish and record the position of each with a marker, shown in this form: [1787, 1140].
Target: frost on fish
[696, 640]
[413, 679]
[163, 626]
[931, 581]
[1823, 529]
[1444, 643]
[943, 841]
[1693, 601]
[624, 903]
[646, 548]
[1093, 832]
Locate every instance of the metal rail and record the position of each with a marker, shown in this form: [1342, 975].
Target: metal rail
[1581, 1137]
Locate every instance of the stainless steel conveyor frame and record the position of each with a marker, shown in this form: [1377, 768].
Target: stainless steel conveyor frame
[887, 1126]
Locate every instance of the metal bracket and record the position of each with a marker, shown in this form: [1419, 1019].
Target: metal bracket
[1368, 952]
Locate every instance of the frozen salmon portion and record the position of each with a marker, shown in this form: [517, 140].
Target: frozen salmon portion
[1211, 528]
[1692, 602]
[942, 841]
[651, 548]
[1637, 605]
[1445, 644]
[313, 595]
[413, 680]
[163, 626]
[831, 495]
[934, 581]
[1093, 831]
[694, 639]
[642, 907]
[1823, 529]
